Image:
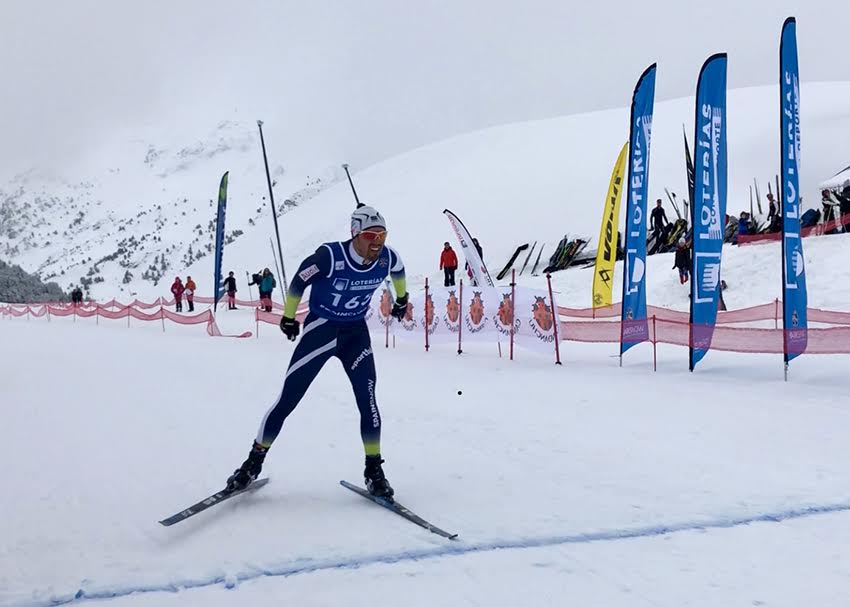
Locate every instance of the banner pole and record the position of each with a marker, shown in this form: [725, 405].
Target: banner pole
[460, 320]
[388, 320]
[513, 303]
[556, 320]
[654, 342]
[425, 314]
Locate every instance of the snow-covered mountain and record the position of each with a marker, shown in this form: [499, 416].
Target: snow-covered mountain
[145, 210]
[147, 213]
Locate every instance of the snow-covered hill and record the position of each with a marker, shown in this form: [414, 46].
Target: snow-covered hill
[539, 180]
[147, 212]
[141, 209]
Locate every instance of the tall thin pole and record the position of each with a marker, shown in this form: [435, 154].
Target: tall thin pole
[351, 183]
[425, 312]
[513, 311]
[274, 208]
[460, 321]
[276, 268]
[555, 318]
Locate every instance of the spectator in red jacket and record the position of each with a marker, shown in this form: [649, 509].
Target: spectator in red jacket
[448, 264]
[177, 289]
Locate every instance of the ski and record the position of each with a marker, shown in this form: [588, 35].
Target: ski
[537, 261]
[215, 498]
[511, 261]
[530, 253]
[393, 506]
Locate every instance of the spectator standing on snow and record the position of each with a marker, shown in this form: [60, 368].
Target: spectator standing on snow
[448, 264]
[658, 219]
[177, 289]
[77, 297]
[267, 285]
[771, 207]
[190, 293]
[230, 288]
[683, 260]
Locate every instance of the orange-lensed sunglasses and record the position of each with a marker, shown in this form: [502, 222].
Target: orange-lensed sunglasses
[374, 236]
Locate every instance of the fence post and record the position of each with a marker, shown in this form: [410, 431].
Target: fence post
[654, 342]
[162, 317]
[46, 307]
[460, 319]
[776, 313]
[556, 320]
[128, 316]
[425, 314]
[513, 315]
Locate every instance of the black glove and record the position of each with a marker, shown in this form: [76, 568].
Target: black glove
[290, 327]
[400, 308]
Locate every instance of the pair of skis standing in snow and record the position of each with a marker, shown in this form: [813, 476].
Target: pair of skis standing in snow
[343, 277]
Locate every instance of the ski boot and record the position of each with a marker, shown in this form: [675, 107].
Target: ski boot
[376, 483]
[250, 469]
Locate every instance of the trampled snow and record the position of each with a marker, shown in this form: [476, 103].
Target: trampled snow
[583, 484]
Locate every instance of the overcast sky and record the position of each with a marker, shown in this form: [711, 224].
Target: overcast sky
[363, 80]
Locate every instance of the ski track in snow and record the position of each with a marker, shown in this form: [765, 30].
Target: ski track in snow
[450, 550]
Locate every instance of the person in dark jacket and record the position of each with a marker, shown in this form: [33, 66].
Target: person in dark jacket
[177, 289]
[771, 207]
[448, 264]
[683, 260]
[658, 219]
[77, 297]
[230, 289]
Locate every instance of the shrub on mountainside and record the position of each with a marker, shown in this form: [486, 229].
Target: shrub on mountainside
[17, 286]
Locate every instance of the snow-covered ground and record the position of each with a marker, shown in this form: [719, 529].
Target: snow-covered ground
[581, 484]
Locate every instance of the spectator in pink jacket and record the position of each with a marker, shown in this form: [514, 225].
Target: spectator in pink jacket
[177, 289]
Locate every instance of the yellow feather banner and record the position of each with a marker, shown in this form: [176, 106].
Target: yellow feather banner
[606, 254]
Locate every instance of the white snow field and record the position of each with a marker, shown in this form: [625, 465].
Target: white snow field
[583, 484]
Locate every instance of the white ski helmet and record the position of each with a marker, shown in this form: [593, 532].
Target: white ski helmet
[366, 217]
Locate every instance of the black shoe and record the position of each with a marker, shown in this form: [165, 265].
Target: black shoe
[250, 469]
[376, 483]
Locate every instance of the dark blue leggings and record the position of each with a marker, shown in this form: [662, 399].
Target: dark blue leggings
[322, 339]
